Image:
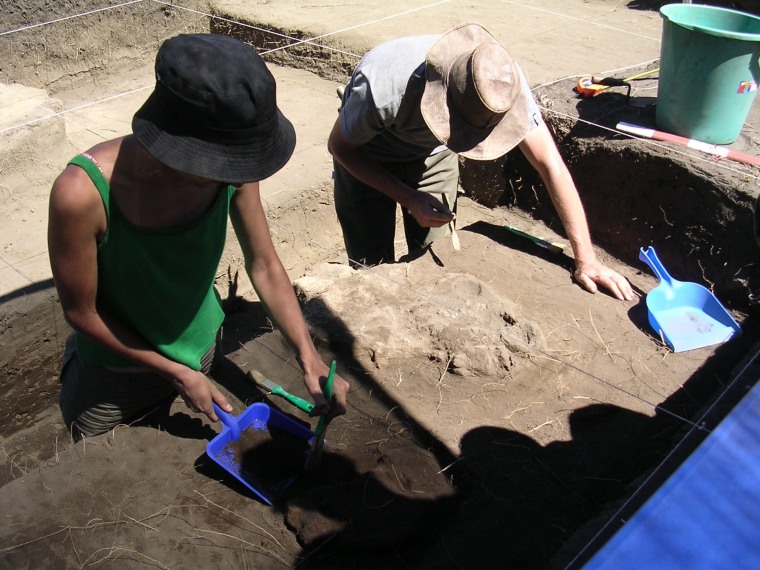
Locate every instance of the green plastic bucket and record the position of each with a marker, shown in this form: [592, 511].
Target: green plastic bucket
[709, 71]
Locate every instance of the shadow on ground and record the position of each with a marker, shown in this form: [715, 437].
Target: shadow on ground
[504, 500]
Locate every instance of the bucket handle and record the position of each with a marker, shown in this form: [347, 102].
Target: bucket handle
[649, 256]
[229, 422]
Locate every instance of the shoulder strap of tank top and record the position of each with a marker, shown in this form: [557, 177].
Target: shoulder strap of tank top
[88, 164]
[91, 167]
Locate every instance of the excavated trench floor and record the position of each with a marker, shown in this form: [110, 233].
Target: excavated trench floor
[694, 210]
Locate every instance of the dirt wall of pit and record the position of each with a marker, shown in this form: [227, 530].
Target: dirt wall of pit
[56, 57]
[694, 209]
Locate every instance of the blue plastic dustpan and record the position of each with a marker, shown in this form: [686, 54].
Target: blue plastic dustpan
[258, 416]
[687, 315]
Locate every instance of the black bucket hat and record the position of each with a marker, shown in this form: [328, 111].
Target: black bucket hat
[213, 112]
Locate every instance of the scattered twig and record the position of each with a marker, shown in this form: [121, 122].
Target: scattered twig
[547, 422]
[445, 370]
[515, 411]
[665, 217]
[604, 344]
[398, 479]
[141, 523]
[406, 427]
[32, 541]
[440, 380]
[13, 464]
[704, 276]
[391, 411]
[522, 409]
[440, 471]
[114, 549]
[253, 546]
[663, 343]
[270, 535]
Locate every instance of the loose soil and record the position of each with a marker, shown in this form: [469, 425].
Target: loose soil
[270, 458]
[454, 452]
[498, 413]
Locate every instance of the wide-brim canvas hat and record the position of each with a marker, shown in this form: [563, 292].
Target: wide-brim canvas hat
[473, 100]
[213, 112]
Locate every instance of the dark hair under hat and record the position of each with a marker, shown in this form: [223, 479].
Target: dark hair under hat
[213, 112]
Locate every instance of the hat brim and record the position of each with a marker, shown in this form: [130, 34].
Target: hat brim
[255, 160]
[445, 123]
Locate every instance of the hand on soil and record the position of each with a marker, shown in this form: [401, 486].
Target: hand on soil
[590, 275]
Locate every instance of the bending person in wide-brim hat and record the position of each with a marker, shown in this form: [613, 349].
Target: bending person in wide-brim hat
[136, 233]
[412, 106]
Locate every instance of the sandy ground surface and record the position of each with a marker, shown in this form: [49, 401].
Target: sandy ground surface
[496, 408]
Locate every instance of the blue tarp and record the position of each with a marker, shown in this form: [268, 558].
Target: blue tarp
[707, 514]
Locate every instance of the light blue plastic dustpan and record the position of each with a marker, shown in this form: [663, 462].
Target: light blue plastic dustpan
[258, 416]
[686, 315]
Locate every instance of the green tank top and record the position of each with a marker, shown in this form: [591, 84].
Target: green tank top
[159, 282]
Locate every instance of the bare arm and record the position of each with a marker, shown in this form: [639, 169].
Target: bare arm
[76, 221]
[540, 149]
[426, 209]
[275, 291]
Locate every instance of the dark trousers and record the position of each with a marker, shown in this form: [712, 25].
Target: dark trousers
[368, 217]
[95, 399]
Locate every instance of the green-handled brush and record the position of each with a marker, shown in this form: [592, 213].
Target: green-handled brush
[277, 390]
[312, 461]
[555, 248]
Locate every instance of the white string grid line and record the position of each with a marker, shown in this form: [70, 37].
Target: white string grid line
[580, 20]
[312, 40]
[105, 8]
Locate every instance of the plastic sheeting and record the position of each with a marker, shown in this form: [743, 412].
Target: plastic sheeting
[707, 514]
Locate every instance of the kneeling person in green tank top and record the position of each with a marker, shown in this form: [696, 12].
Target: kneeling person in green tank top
[137, 229]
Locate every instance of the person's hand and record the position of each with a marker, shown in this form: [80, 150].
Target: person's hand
[590, 275]
[199, 392]
[315, 381]
[429, 211]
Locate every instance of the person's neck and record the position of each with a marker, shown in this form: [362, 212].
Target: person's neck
[162, 175]
[153, 195]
